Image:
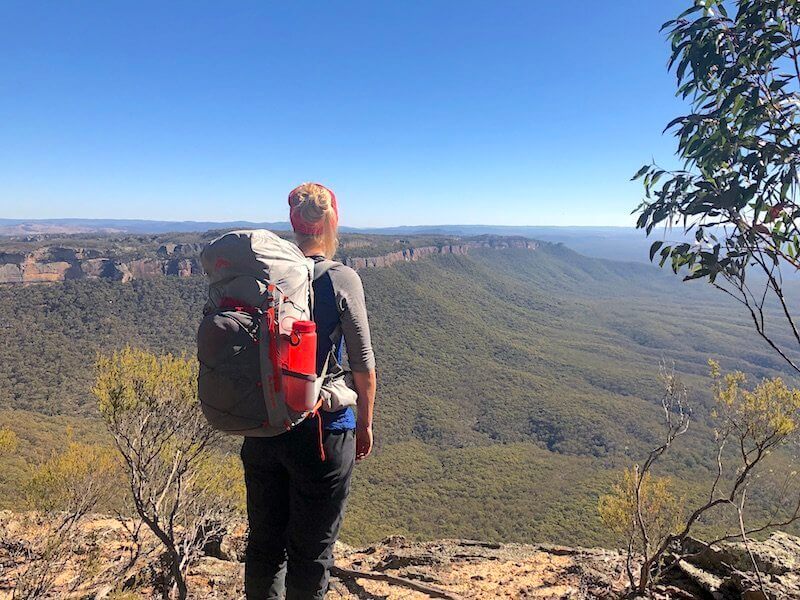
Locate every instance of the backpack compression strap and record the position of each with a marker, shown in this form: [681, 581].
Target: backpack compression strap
[277, 413]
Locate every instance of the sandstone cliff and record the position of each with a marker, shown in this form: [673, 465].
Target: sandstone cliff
[49, 264]
[413, 254]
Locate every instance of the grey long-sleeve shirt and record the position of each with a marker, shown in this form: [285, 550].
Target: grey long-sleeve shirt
[339, 300]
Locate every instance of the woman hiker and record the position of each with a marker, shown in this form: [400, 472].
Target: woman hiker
[298, 482]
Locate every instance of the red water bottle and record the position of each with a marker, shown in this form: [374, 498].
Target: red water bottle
[300, 374]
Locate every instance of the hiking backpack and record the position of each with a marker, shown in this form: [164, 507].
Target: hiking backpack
[259, 285]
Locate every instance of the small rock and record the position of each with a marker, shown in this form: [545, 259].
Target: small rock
[394, 541]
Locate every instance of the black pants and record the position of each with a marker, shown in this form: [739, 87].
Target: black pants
[295, 505]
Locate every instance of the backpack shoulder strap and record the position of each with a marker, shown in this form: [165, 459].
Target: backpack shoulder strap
[323, 266]
[332, 366]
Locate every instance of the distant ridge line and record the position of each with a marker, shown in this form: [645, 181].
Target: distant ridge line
[53, 264]
[415, 254]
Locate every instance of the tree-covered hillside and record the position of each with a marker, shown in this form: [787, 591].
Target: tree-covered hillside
[511, 381]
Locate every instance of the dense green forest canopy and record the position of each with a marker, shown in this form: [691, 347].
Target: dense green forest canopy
[512, 382]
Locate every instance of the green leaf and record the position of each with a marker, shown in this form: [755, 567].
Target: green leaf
[640, 172]
[689, 11]
[654, 248]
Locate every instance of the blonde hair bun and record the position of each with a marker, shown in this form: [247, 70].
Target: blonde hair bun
[315, 217]
[312, 202]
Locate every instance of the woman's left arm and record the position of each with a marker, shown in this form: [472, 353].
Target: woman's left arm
[355, 328]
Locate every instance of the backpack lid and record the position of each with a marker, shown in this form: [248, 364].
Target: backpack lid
[242, 264]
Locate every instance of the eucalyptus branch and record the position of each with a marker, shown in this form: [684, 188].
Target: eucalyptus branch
[740, 140]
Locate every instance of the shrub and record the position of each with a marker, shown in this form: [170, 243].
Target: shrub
[178, 485]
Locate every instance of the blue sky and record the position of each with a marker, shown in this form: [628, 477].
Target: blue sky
[493, 112]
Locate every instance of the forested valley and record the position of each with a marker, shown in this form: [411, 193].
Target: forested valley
[513, 384]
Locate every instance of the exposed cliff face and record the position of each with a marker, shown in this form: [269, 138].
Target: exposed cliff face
[56, 263]
[50, 264]
[414, 254]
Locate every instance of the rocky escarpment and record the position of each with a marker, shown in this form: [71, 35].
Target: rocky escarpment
[50, 264]
[104, 561]
[58, 263]
[413, 254]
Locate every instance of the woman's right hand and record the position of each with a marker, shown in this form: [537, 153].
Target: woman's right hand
[365, 383]
[364, 441]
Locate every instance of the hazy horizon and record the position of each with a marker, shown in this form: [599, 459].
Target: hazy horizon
[611, 242]
[23, 220]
